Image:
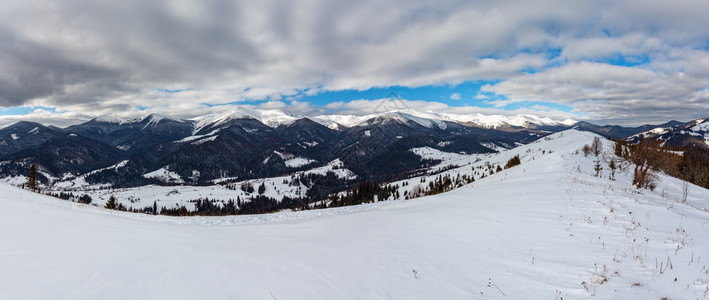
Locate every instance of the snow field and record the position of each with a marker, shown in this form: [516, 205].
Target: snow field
[544, 229]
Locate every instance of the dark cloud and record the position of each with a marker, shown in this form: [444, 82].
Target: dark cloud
[108, 54]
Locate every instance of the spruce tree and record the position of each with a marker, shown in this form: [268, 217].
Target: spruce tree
[111, 204]
[262, 188]
[32, 181]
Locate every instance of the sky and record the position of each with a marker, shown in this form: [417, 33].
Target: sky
[609, 62]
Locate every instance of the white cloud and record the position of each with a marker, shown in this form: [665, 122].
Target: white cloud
[86, 58]
[455, 96]
[624, 95]
[481, 96]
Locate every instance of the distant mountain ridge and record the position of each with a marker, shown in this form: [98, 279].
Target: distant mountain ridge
[677, 134]
[261, 143]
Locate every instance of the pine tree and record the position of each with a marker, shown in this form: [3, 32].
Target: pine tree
[111, 204]
[262, 188]
[513, 162]
[155, 208]
[32, 181]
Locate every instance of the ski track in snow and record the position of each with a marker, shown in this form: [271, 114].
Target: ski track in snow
[544, 229]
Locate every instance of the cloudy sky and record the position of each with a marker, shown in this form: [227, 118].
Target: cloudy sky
[620, 62]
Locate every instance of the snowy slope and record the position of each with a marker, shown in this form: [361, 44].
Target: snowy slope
[337, 167]
[431, 153]
[164, 175]
[542, 230]
[170, 196]
[77, 182]
[292, 161]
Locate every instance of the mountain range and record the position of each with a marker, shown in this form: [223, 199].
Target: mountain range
[248, 144]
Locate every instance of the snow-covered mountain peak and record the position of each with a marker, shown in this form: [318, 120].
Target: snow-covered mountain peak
[335, 121]
[269, 117]
[116, 119]
[215, 120]
[276, 117]
[156, 118]
[403, 117]
[428, 120]
[496, 121]
[150, 119]
[432, 119]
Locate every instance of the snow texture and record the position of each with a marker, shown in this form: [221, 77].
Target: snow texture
[701, 126]
[431, 153]
[545, 229]
[492, 146]
[292, 161]
[164, 175]
[336, 166]
[116, 120]
[68, 181]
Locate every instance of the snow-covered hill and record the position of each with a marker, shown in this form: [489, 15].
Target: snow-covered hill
[545, 229]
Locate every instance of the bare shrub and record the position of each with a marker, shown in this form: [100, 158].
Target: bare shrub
[596, 146]
[586, 150]
[685, 191]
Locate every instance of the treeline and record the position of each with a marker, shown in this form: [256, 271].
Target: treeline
[446, 183]
[650, 156]
[694, 165]
[365, 192]
[258, 204]
[318, 186]
[85, 199]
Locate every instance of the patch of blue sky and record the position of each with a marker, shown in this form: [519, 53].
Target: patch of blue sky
[626, 60]
[170, 91]
[23, 110]
[466, 94]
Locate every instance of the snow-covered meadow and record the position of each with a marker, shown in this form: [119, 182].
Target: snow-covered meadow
[545, 229]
